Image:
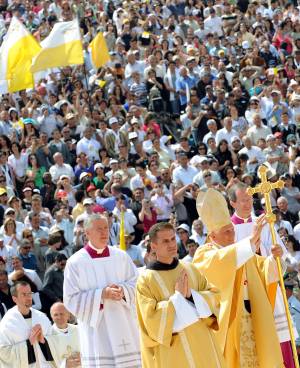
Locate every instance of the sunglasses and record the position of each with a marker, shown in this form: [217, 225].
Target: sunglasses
[26, 248]
[207, 176]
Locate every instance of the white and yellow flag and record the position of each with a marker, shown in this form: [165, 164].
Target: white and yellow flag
[62, 47]
[16, 53]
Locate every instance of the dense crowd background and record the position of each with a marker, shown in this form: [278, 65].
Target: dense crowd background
[197, 94]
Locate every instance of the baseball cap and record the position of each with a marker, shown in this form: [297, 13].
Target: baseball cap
[90, 188]
[113, 161]
[113, 120]
[184, 227]
[98, 166]
[83, 175]
[275, 92]
[87, 201]
[235, 138]
[9, 210]
[2, 191]
[27, 189]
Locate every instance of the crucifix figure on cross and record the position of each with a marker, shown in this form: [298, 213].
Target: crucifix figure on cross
[265, 187]
[124, 344]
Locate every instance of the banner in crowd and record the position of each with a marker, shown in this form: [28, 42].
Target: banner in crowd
[99, 51]
[61, 48]
[16, 53]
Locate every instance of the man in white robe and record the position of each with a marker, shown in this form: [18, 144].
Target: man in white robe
[68, 350]
[23, 332]
[243, 224]
[99, 290]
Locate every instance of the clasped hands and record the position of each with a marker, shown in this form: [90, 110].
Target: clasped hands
[113, 292]
[276, 249]
[36, 335]
[182, 284]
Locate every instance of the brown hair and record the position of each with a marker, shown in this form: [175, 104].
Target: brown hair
[155, 229]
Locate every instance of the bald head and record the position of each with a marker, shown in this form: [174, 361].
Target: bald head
[60, 315]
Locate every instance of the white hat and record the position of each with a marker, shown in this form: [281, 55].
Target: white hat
[88, 201]
[184, 227]
[275, 91]
[83, 175]
[98, 166]
[113, 161]
[113, 120]
[235, 138]
[202, 159]
[64, 177]
[9, 209]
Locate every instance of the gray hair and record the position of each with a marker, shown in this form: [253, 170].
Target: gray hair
[88, 223]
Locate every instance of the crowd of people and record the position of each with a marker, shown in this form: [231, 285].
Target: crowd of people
[196, 95]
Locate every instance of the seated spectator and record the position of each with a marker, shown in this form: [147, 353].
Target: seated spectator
[293, 253]
[133, 251]
[192, 247]
[27, 256]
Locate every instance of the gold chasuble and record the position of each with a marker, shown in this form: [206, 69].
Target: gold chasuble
[170, 337]
[247, 333]
[219, 266]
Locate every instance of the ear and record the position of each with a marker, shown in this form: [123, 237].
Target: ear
[232, 204]
[153, 246]
[14, 299]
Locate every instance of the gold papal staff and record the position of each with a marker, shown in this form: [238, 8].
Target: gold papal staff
[265, 188]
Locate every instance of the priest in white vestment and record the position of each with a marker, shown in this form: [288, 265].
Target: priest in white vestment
[68, 350]
[24, 334]
[243, 224]
[99, 290]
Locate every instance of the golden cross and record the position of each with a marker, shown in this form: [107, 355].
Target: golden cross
[265, 187]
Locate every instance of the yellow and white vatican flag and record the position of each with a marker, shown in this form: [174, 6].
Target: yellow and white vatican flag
[99, 51]
[16, 53]
[62, 47]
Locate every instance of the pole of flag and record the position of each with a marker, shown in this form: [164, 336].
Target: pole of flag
[122, 232]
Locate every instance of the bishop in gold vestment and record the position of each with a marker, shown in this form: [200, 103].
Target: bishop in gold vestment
[247, 333]
[176, 331]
